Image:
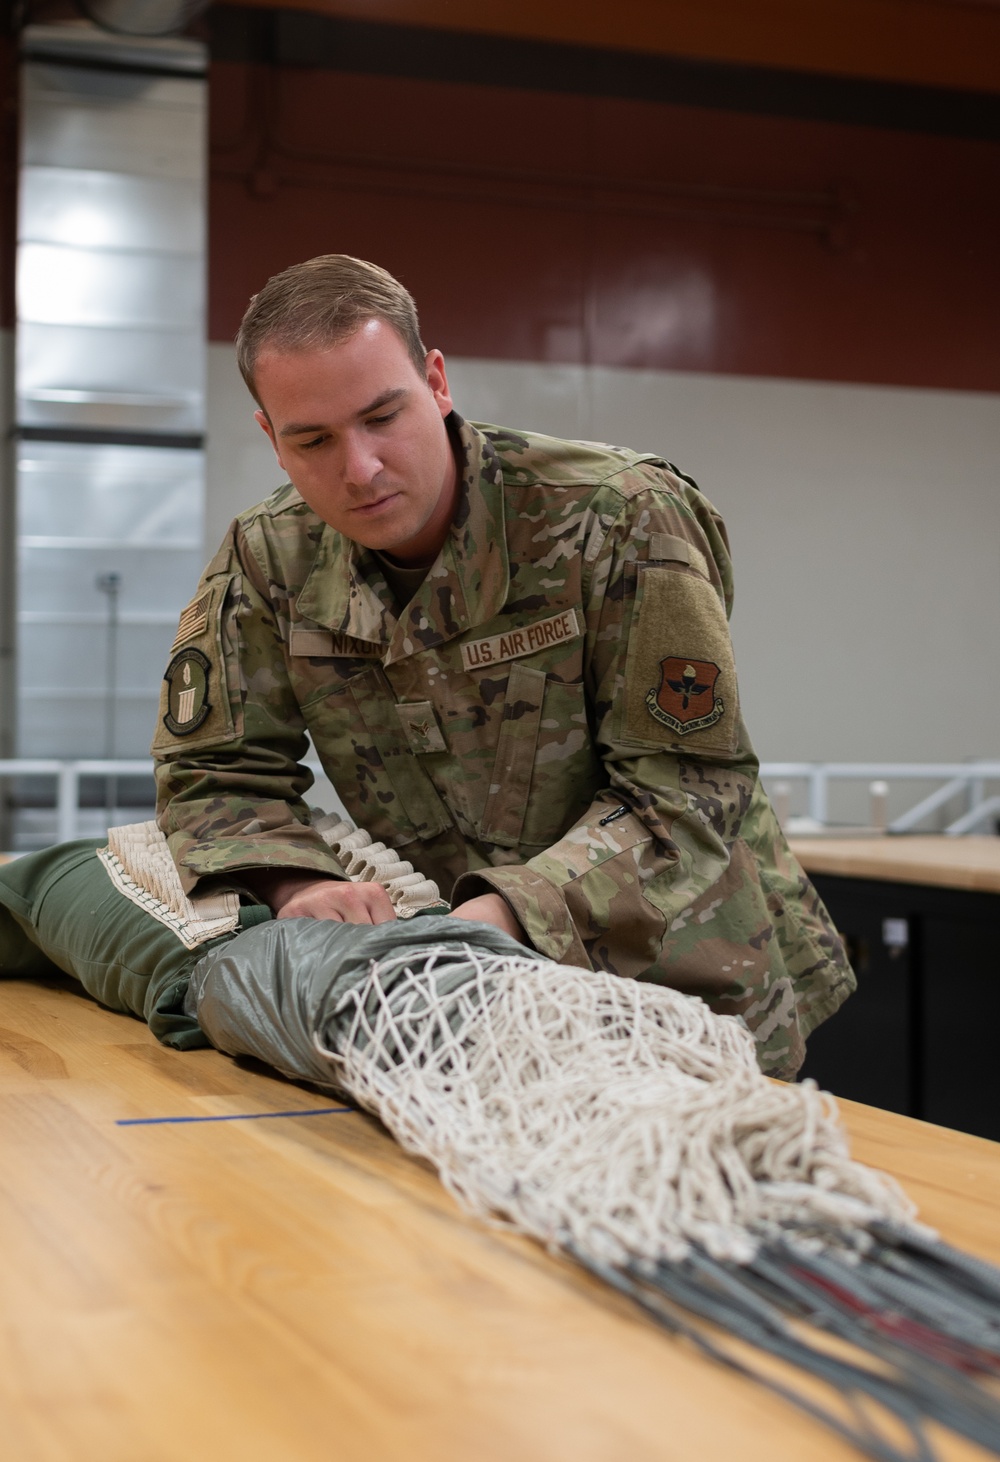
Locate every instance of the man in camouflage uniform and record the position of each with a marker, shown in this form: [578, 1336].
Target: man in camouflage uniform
[512, 655]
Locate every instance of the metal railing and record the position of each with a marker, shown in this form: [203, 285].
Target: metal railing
[966, 779]
[67, 775]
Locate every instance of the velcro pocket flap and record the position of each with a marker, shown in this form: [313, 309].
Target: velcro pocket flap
[665, 546]
[195, 705]
[507, 800]
[310, 641]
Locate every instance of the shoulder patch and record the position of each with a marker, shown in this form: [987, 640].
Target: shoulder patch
[685, 699]
[188, 678]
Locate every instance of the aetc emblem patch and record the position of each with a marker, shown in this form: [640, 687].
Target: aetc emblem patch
[188, 704]
[686, 700]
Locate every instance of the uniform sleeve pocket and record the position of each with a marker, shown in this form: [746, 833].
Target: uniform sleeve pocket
[195, 704]
[680, 679]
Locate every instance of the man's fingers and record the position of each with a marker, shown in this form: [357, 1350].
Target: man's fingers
[296, 910]
[378, 904]
[341, 902]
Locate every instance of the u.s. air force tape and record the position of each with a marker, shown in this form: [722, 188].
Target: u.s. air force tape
[187, 677]
[523, 641]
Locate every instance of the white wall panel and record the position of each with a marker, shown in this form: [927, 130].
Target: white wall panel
[240, 467]
[865, 524]
[42, 728]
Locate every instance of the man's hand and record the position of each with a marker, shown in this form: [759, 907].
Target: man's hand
[491, 908]
[296, 895]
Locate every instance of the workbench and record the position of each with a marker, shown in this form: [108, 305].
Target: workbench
[205, 1263]
[921, 917]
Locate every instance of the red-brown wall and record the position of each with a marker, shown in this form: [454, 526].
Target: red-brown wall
[541, 226]
[526, 225]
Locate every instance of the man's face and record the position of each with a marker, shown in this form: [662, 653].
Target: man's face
[361, 434]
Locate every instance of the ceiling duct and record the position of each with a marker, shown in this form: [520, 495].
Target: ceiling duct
[109, 378]
[142, 17]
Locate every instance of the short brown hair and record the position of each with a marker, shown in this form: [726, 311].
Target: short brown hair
[321, 302]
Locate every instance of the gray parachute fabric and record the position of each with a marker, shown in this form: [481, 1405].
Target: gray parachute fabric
[277, 990]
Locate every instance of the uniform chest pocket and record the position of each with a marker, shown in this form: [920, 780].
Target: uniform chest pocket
[368, 757]
[507, 798]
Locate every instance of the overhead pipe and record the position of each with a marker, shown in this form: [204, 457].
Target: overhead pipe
[142, 17]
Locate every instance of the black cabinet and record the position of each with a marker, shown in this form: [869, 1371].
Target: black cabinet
[960, 1005]
[920, 1034]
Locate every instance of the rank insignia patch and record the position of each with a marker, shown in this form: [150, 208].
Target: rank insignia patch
[188, 704]
[686, 700]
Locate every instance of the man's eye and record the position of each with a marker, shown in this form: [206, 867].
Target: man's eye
[383, 420]
[315, 442]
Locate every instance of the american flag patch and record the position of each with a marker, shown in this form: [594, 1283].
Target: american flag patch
[193, 620]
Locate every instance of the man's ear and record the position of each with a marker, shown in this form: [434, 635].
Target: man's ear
[260, 418]
[437, 380]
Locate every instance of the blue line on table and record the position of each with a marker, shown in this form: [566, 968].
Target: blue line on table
[236, 1117]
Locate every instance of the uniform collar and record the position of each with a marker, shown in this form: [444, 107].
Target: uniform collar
[465, 586]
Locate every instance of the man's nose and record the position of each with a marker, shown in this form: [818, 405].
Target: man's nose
[361, 463]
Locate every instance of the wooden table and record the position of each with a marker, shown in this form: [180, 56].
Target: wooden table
[297, 1289]
[970, 863]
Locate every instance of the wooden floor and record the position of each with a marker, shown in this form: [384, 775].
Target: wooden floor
[296, 1289]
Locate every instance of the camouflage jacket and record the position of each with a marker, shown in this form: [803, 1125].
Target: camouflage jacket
[554, 716]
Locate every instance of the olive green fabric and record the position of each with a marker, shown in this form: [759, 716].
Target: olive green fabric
[59, 910]
[403, 582]
[20, 958]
